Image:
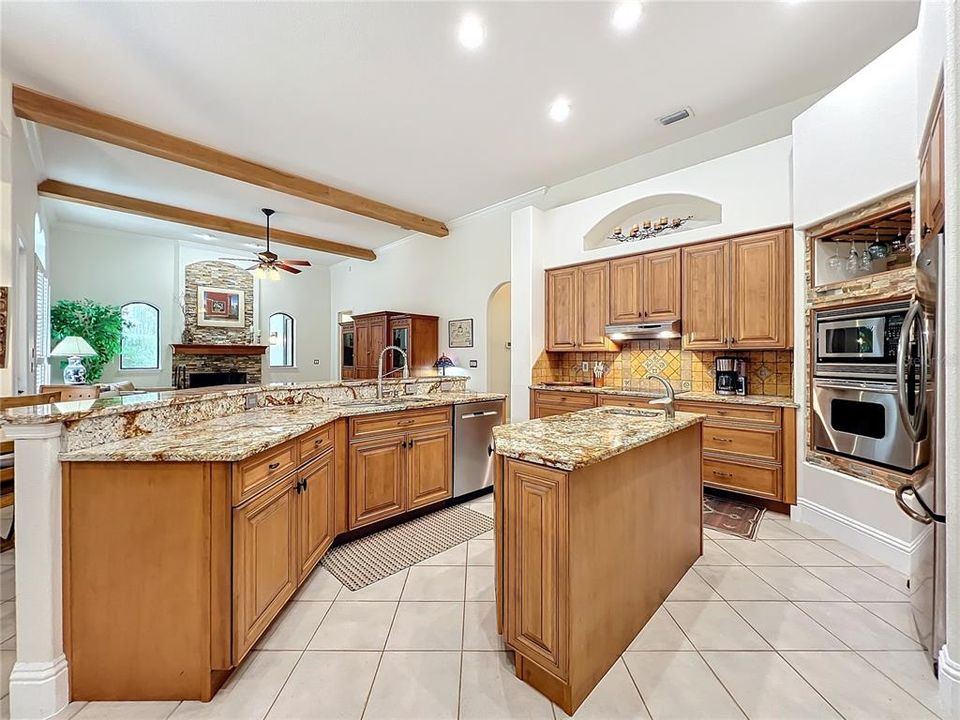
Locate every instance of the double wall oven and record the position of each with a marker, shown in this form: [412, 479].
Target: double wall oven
[870, 384]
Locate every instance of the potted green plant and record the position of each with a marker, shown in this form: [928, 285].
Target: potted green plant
[100, 325]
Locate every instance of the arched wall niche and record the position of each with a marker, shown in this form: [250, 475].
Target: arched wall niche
[705, 212]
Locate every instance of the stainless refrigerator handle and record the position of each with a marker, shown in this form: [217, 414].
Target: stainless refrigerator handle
[902, 346]
[923, 348]
[929, 515]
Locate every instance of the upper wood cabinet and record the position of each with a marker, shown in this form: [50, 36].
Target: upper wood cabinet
[645, 287]
[932, 191]
[737, 293]
[578, 307]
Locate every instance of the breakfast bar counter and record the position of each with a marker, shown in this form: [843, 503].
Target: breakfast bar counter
[598, 515]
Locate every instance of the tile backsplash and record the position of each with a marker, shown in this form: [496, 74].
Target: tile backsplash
[769, 372]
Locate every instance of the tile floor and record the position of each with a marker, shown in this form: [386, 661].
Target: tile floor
[792, 626]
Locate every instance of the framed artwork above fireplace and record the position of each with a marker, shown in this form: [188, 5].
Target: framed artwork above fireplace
[219, 307]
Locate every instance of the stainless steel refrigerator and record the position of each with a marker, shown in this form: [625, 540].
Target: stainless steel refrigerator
[925, 500]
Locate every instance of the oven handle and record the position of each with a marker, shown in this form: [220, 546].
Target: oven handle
[909, 424]
[887, 388]
[928, 515]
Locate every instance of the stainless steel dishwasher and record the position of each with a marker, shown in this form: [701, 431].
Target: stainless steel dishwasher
[473, 445]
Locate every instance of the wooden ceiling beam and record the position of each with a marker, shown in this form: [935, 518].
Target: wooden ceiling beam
[146, 208]
[63, 115]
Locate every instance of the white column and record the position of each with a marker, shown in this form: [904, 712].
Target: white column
[39, 685]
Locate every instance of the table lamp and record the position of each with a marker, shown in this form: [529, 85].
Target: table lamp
[74, 348]
[442, 363]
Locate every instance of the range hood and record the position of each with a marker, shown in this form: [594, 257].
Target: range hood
[643, 331]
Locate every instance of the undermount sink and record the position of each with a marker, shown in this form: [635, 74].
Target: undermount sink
[631, 412]
[379, 402]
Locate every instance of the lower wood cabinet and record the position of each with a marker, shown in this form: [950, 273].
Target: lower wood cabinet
[429, 467]
[376, 480]
[544, 403]
[316, 521]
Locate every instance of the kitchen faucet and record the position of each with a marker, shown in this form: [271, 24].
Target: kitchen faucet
[381, 375]
[667, 402]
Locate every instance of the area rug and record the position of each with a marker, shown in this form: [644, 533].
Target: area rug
[362, 562]
[733, 517]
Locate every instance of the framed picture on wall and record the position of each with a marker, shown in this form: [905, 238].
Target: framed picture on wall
[219, 307]
[460, 333]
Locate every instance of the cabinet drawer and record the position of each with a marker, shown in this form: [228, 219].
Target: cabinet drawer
[730, 411]
[315, 443]
[624, 401]
[259, 472]
[759, 480]
[571, 400]
[395, 422]
[759, 443]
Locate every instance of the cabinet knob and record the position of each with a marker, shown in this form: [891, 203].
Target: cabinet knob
[273, 466]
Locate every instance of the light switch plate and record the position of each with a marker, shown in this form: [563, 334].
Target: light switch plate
[584, 366]
[473, 363]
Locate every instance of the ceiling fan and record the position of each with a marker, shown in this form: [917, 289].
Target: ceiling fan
[268, 264]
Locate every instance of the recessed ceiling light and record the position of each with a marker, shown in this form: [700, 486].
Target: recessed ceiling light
[471, 32]
[626, 16]
[560, 109]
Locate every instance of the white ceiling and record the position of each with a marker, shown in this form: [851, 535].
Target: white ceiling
[379, 98]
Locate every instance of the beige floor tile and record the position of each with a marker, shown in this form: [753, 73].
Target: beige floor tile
[854, 557]
[680, 686]
[69, 712]
[772, 530]
[858, 585]
[457, 555]
[900, 615]
[480, 627]
[480, 583]
[857, 627]
[7, 557]
[480, 552]
[249, 692]
[8, 583]
[438, 582]
[693, 587]
[354, 626]
[9, 644]
[714, 534]
[795, 583]
[895, 579]
[713, 555]
[786, 627]
[485, 508]
[126, 710]
[748, 552]
[767, 688]
[806, 552]
[715, 626]
[912, 671]
[321, 585]
[660, 633]
[327, 686]
[381, 591]
[854, 687]
[427, 626]
[7, 659]
[737, 583]
[802, 529]
[488, 535]
[489, 689]
[614, 698]
[295, 626]
[414, 686]
[8, 619]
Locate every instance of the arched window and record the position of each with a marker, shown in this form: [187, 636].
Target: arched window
[140, 341]
[281, 340]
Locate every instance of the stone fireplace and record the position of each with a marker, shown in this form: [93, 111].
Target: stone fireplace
[203, 365]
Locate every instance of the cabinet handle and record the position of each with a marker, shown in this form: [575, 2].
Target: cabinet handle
[411, 444]
[317, 443]
[717, 473]
[304, 481]
[404, 444]
[408, 421]
[723, 440]
[925, 230]
[273, 466]
[722, 412]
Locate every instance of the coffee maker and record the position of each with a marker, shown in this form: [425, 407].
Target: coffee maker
[731, 377]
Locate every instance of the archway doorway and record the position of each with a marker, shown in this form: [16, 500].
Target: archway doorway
[498, 341]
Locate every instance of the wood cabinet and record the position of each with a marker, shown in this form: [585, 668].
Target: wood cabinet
[429, 467]
[371, 333]
[578, 308]
[544, 403]
[645, 287]
[932, 189]
[316, 499]
[737, 293]
[377, 479]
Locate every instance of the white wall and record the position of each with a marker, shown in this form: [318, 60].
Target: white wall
[859, 142]
[498, 340]
[305, 297]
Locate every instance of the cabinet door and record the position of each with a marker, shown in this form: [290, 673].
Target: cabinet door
[626, 300]
[429, 467]
[376, 480]
[265, 571]
[316, 499]
[594, 306]
[760, 291]
[362, 347]
[931, 177]
[535, 564]
[705, 296]
[661, 286]
[562, 315]
[378, 341]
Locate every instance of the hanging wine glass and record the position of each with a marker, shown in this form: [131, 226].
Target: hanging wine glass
[834, 262]
[853, 259]
[896, 246]
[879, 249]
[866, 260]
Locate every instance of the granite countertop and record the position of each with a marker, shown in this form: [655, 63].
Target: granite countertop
[575, 440]
[241, 435]
[692, 395]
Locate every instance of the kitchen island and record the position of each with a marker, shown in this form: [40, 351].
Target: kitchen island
[598, 516]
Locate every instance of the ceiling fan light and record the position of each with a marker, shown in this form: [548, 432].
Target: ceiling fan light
[273, 274]
[259, 274]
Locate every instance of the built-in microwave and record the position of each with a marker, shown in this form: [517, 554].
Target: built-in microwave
[859, 341]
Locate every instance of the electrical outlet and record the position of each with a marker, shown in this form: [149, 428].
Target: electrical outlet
[316, 361]
[584, 367]
[473, 363]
